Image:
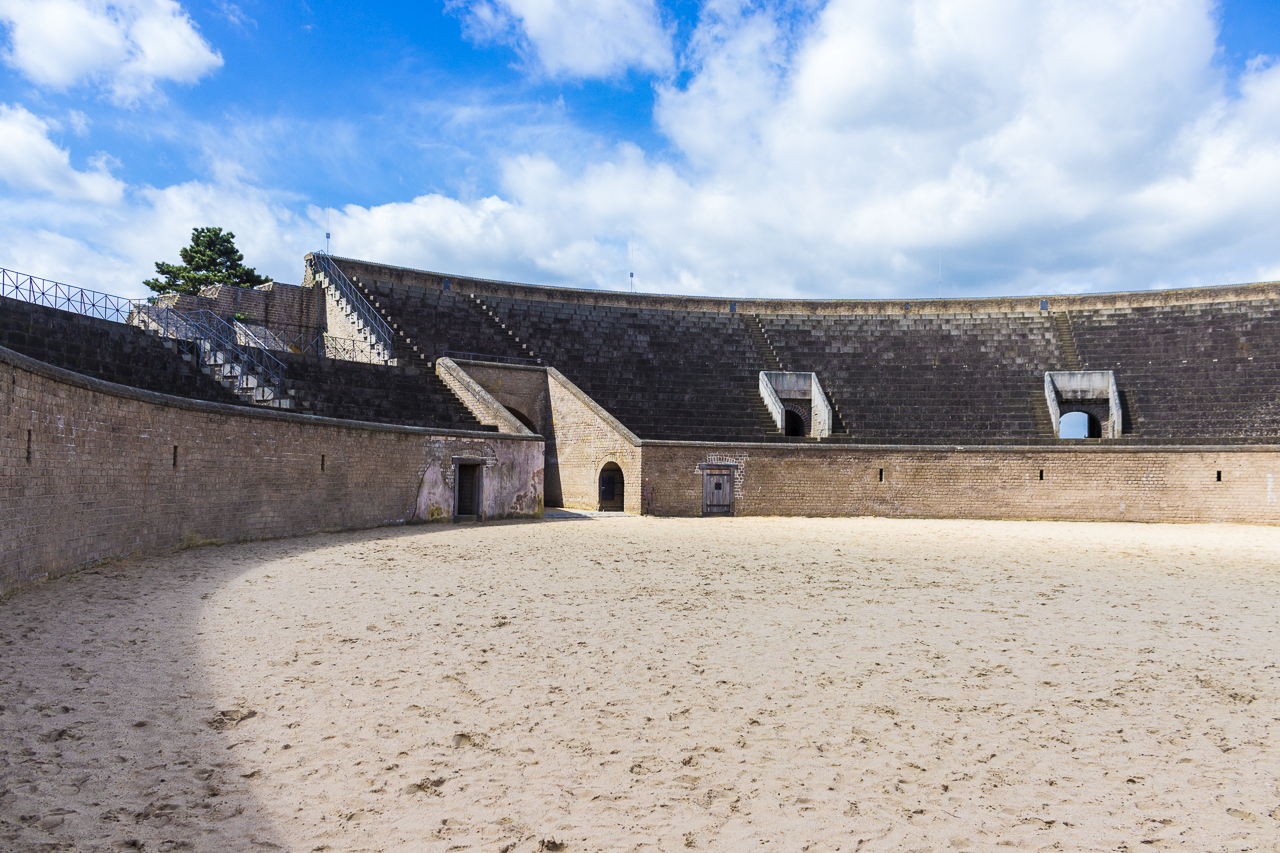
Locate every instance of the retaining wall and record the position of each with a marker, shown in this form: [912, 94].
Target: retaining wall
[1089, 483]
[89, 471]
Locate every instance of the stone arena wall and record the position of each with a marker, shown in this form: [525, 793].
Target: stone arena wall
[89, 471]
[1095, 483]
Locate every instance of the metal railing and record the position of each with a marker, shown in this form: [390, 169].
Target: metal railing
[501, 359]
[64, 297]
[217, 339]
[365, 313]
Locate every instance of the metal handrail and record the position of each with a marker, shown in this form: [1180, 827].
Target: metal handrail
[64, 297]
[366, 313]
[207, 329]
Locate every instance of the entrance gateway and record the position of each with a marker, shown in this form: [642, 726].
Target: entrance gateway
[717, 488]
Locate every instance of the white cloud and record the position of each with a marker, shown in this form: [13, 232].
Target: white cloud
[126, 46]
[576, 38]
[31, 162]
[1038, 147]
[1035, 146]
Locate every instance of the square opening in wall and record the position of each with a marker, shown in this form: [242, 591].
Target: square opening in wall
[467, 491]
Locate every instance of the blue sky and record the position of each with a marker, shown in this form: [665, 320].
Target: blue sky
[838, 149]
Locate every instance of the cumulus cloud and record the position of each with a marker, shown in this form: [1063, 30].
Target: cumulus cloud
[31, 162]
[126, 46]
[575, 38]
[1035, 147]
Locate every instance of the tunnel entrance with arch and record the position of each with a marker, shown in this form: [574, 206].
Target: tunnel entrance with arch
[611, 488]
[1079, 424]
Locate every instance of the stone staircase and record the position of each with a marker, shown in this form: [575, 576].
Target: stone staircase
[1066, 341]
[484, 309]
[768, 355]
[213, 345]
[232, 373]
[367, 320]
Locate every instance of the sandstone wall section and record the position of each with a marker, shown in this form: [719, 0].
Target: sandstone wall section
[90, 470]
[1096, 483]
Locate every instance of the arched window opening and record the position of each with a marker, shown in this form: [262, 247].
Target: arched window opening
[1079, 425]
[794, 424]
[523, 418]
[611, 488]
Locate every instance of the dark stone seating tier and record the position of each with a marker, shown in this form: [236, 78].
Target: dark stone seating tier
[112, 352]
[1209, 370]
[373, 392]
[664, 374]
[437, 321]
[920, 378]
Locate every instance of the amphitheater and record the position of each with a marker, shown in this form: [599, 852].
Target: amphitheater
[691, 572]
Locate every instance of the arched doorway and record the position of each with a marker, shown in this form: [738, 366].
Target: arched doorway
[793, 423]
[611, 488]
[1079, 425]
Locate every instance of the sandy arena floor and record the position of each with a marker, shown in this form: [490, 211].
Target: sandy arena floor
[650, 684]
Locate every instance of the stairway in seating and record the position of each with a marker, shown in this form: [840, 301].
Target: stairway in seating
[484, 309]
[1040, 417]
[768, 356]
[368, 319]
[1066, 341]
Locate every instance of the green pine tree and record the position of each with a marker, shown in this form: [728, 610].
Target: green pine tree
[212, 258]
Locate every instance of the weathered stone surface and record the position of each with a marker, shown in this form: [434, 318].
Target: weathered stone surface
[91, 470]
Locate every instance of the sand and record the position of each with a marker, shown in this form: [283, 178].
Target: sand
[655, 684]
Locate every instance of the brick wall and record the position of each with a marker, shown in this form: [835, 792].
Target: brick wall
[288, 308]
[100, 479]
[1080, 483]
[587, 437]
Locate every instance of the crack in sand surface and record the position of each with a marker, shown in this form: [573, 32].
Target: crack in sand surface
[655, 684]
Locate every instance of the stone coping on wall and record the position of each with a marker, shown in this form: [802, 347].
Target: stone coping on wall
[79, 380]
[907, 305]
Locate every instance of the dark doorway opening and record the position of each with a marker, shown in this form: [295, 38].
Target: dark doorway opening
[793, 423]
[611, 488]
[1079, 425]
[467, 493]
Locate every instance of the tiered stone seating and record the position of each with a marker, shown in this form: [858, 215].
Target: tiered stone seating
[113, 352]
[924, 378]
[378, 393]
[665, 374]
[1208, 370]
[436, 321]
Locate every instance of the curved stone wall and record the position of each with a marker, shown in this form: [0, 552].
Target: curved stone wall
[91, 470]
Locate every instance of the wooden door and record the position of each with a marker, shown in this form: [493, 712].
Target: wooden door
[717, 493]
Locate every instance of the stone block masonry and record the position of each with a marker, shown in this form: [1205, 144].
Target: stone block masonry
[588, 437]
[90, 470]
[1097, 483]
